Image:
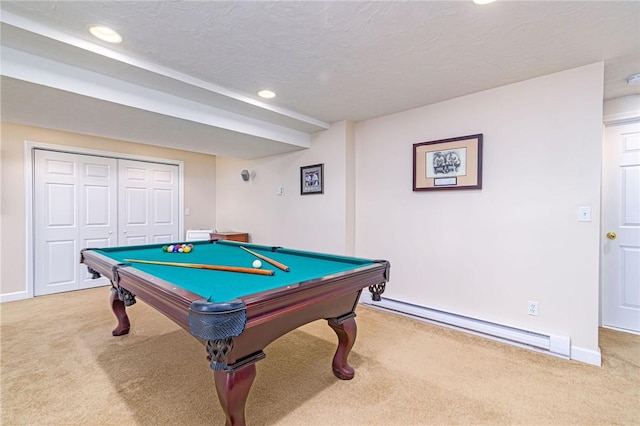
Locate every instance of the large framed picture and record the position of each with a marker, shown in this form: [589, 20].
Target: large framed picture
[312, 179]
[454, 163]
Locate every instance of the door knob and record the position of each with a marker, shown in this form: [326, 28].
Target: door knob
[611, 235]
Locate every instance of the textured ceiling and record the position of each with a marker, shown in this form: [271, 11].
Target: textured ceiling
[327, 61]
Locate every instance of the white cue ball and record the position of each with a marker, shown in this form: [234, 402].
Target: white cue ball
[257, 264]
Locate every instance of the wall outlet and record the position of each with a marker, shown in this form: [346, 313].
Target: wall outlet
[533, 308]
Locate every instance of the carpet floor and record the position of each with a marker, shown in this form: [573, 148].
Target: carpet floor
[61, 366]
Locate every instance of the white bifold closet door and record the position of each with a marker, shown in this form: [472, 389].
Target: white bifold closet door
[74, 207]
[147, 203]
[83, 201]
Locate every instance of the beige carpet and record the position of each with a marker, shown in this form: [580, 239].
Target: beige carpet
[61, 366]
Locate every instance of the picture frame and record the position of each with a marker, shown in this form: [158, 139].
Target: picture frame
[454, 163]
[312, 179]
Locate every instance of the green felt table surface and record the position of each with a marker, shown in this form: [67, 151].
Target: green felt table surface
[222, 286]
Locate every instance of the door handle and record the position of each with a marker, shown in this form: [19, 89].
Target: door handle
[611, 235]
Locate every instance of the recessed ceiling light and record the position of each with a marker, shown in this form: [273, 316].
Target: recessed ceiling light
[105, 33]
[267, 94]
[481, 2]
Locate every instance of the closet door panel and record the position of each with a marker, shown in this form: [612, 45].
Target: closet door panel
[148, 203]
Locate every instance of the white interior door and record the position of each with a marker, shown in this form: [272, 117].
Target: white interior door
[72, 210]
[621, 226]
[148, 203]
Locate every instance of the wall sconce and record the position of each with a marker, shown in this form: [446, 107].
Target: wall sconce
[245, 175]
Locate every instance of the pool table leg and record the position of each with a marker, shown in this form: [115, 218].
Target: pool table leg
[118, 308]
[233, 389]
[346, 329]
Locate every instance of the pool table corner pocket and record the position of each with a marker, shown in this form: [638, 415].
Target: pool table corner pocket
[217, 324]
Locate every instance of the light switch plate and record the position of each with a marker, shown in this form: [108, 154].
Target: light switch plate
[584, 214]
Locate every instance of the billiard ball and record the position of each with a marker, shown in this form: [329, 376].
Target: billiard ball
[257, 264]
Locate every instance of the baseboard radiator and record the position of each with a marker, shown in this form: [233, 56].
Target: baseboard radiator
[554, 345]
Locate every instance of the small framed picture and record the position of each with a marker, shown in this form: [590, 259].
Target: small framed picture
[454, 163]
[312, 179]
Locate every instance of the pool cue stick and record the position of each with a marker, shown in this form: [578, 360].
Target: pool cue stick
[204, 266]
[266, 259]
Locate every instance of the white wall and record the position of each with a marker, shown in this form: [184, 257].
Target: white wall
[479, 253]
[486, 253]
[318, 222]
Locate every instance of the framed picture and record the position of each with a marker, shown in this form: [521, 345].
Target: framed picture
[454, 163]
[312, 179]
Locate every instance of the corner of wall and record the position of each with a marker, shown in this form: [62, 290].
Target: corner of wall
[350, 188]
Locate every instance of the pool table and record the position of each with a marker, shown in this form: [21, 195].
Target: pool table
[237, 314]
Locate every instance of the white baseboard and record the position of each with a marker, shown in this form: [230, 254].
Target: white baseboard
[587, 356]
[10, 297]
[556, 345]
[624, 330]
